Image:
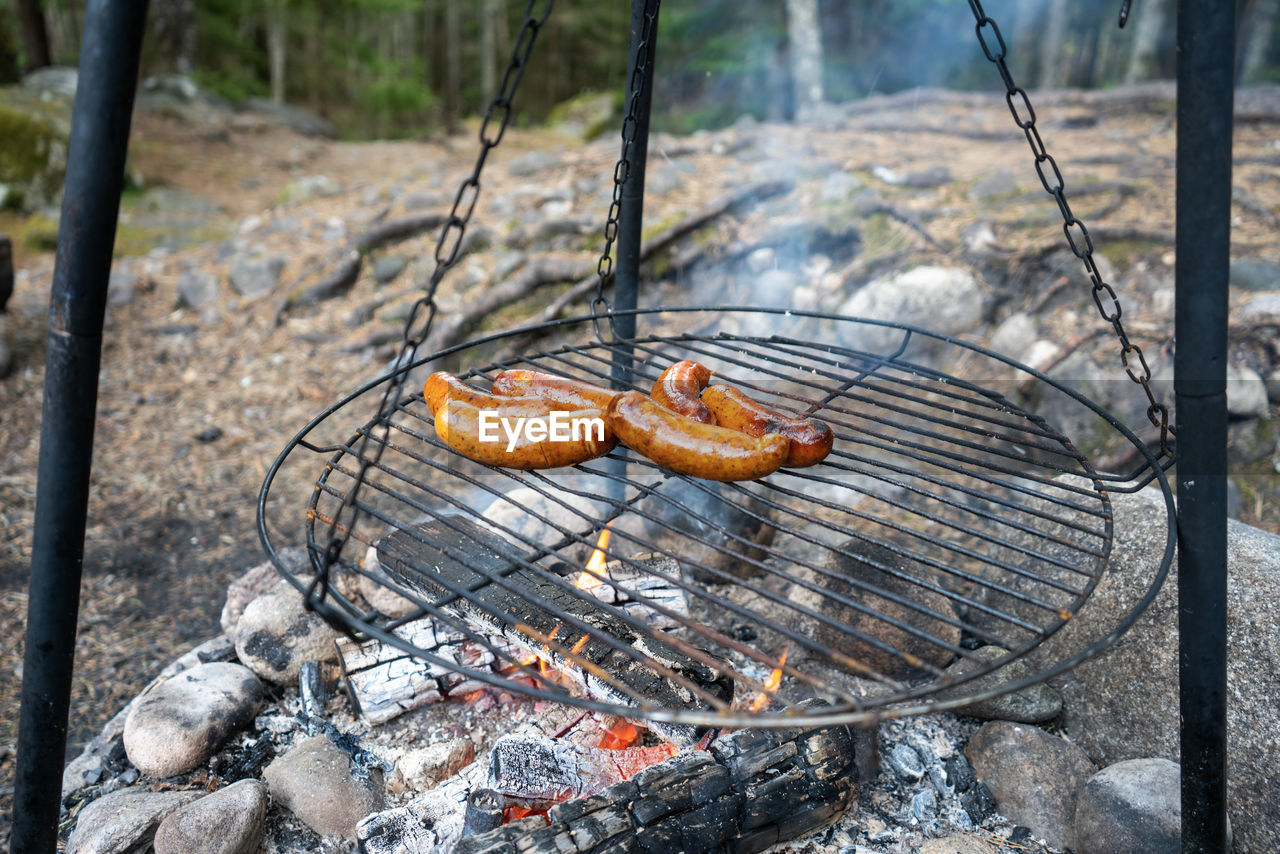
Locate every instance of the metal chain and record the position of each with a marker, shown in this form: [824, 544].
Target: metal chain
[622, 170]
[1124, 12]
[1104, 296]
[423, 312]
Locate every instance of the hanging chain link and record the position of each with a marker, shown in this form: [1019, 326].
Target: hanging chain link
[1104, 296]
[1124, 12]
[622, 170]
[423, 312]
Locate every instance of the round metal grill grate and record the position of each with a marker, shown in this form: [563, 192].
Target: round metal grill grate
[946, 518]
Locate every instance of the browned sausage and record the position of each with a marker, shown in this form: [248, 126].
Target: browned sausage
[458, 426]
[811, 439]
[691, 447]
[680, 390]
[442, 387]
[574, 394]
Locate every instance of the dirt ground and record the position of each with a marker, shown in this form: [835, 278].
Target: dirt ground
[195, 405]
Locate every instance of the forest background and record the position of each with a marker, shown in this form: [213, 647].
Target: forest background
[408, 68]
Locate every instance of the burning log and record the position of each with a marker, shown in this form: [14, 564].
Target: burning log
[636, 667]
[535, 771]
[383, 681]
[750, 790]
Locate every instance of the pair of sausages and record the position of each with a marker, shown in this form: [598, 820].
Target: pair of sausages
[463, 413]
[721, 412]
[689, 427]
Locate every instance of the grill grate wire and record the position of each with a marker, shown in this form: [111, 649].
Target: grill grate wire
[939, 522]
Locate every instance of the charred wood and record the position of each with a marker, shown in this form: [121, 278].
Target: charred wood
[611, 660]
[751, 790]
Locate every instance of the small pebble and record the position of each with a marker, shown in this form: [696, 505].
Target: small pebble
[906, 763]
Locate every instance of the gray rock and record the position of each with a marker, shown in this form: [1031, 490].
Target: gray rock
[308, 187]
[1033, 705]
[1014, 336]
[420, 200]
[121, 284]
[527, 165]
[54, 80]
[1125, 705]
[927, 179]
[179, 723]
[314, 781]
[584, 116]
[387, 267]
[306, 123]
[197, 289]
[124, 821]
[1132, 807]
[1261, 306]
[276, 634]
[256, 582]
[998, 184]
[1273, 386]
[947, 300]
[840, 186]
[229, 821]
[1246, 393]
[253, 277]
[1033, 776]
[1250, 275]
[520, 510]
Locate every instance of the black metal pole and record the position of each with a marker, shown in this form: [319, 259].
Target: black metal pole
[109, 57]
[631, 207]
[1206, 39]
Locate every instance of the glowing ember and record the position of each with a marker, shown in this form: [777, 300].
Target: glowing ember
[620, 735]
[513, 813]
[595, 564]
[775, 679]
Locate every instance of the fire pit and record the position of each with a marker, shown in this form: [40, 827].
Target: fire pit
[946, 517]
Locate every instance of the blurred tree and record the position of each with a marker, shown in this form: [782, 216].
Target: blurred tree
[9, 72]
[35, 35]
[1152, 40]
[1258, 28]
[804, 40]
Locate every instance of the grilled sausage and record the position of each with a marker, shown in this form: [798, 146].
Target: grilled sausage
[574, 394]
[690, 447]
[811, 439]
[458, 426]
[443, 386]
[680, 388]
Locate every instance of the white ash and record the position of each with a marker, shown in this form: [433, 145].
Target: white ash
[914, 799]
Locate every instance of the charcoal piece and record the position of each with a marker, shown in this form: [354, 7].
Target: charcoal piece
[771, 800]
[703, 829]
[661, 838]
[960, 774]
[417, 560]
[696, 802]
[484, 812]
[978, 803]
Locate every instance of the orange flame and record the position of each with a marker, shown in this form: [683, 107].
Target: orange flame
[620, 735]
[513, 813]
[775, 679]
[595, 564]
